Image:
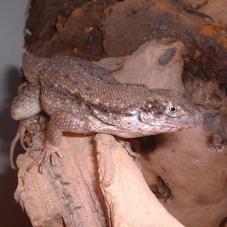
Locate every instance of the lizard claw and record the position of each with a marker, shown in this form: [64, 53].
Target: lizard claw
[45, 155]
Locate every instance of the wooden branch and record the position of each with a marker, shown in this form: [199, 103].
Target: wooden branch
[128, 199]
[70, 195]
[65, 195]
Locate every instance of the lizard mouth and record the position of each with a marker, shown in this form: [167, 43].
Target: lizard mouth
[184, 124]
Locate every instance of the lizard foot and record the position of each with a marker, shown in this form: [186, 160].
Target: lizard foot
[46, 154]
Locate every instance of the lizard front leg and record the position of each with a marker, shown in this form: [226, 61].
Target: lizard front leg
[59, 122]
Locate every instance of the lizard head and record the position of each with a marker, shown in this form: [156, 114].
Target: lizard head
[169, 111]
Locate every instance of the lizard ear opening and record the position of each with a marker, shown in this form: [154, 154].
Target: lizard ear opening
[150, 110]
[154, 107]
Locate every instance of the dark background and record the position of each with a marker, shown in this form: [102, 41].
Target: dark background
[12, 17]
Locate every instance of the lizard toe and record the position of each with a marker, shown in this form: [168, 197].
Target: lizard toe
[45, 156]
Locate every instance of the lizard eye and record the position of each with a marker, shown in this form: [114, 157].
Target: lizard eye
[173, 111]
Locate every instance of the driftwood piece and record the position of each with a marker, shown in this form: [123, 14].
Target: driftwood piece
[187, 169]
[140, 21]
[214, 8]
[58, 195]
[128, 199]
[144, 67]
[91, 186]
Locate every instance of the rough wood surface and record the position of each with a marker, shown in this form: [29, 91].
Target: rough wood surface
[66, 193]
[185, 169]
[140, 21]
[128, 199]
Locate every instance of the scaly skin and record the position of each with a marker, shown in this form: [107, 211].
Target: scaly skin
[82, 97]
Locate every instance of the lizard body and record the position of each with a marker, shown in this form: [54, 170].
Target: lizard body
[81, 97]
